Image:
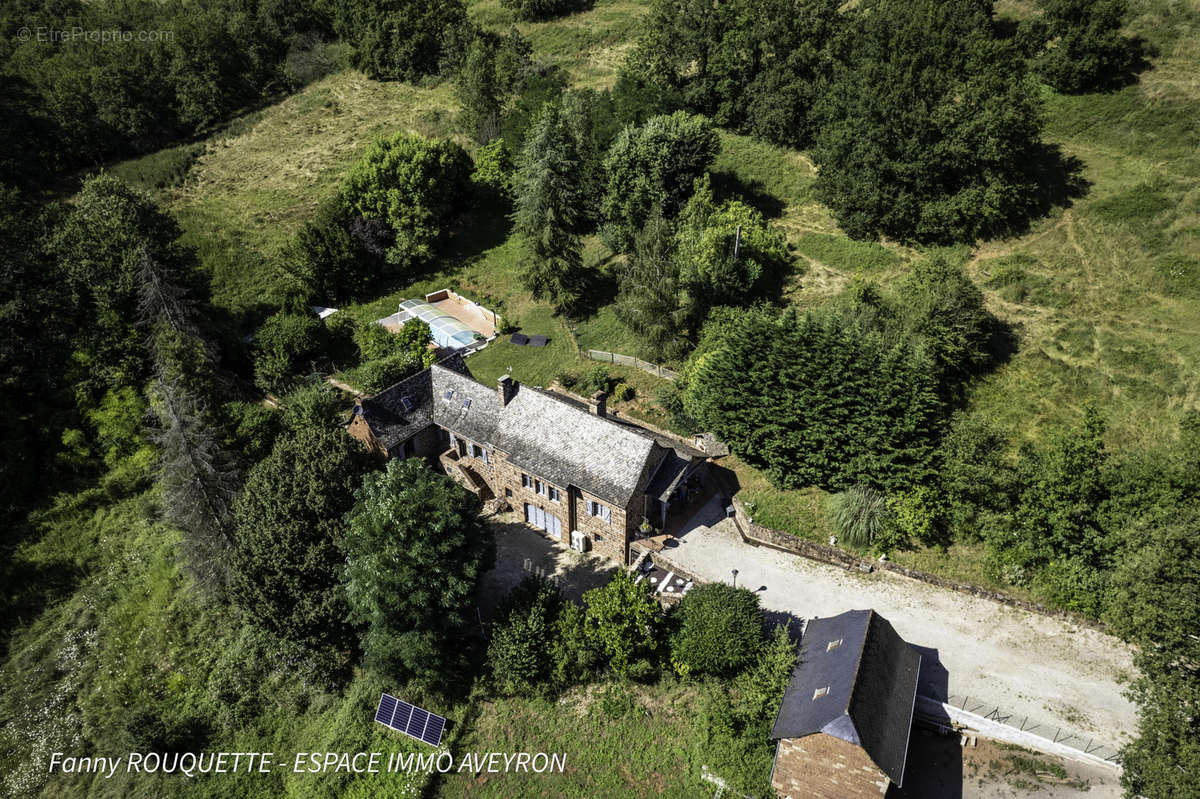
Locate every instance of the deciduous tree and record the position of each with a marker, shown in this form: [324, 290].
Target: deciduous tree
[652, 169]
[413, 184]
[415, 551]
[288, 564]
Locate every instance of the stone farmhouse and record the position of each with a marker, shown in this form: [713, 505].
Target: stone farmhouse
[844, 722]
[568, 468]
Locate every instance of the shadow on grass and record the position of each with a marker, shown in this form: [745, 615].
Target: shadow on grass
[728, 186]
[600, 286]
[483, 227]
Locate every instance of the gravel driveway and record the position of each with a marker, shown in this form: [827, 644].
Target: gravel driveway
[1026, 664]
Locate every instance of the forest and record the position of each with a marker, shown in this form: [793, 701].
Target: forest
[928, 268]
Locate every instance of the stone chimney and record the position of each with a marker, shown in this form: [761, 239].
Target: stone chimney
[599, 403]
[506, 387]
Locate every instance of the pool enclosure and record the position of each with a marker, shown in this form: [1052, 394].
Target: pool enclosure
[448, 332]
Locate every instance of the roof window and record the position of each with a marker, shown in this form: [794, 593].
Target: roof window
[820, 692]
[833, 645]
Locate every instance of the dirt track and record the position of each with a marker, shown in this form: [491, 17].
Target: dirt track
[1025, 664]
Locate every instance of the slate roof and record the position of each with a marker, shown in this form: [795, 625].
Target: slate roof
[538, 431]
[386, 415]
[872, 686]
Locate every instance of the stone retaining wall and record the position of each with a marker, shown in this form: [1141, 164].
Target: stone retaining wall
[757, 535]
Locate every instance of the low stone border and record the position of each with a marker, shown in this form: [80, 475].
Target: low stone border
[757, 535]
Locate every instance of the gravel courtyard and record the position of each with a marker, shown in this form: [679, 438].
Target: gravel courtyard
[1024, 663]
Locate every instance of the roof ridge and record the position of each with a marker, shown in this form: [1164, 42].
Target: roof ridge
[854, 685]
[575, 406]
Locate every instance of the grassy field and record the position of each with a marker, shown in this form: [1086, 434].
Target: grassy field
[1102, 295]
[619, 742]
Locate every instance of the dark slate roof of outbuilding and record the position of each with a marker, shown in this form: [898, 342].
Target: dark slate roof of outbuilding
[539, 431]
[389, 421]
[872, 686]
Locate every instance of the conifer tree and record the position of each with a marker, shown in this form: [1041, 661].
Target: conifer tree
[548, 210]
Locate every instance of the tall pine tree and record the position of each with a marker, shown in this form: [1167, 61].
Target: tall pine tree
[548, 209]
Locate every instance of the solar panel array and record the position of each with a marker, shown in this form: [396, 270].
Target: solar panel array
[410, 720]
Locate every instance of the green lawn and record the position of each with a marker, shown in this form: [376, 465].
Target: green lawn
[620, 746]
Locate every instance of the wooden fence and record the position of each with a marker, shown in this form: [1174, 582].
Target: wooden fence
[626, 360]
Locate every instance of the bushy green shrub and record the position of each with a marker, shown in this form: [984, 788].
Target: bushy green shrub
[374, 376]
[518, 655]
[624, 392]
[286, 344]
[623, 623]
[719, 629]
[598, 378]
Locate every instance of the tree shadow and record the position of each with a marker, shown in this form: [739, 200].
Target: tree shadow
[1141, 50]
[485, 226]
[600, 285]
[728, 186]
[1059, 180]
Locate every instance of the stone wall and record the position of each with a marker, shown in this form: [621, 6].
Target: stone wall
[756, 534]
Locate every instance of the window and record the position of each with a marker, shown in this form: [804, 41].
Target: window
[483, 454]
[508, 493]
[601, 511]
[554, 495]
[820, 692]
[526, 481]
[833, 645]
[453, 440]
[539, 487]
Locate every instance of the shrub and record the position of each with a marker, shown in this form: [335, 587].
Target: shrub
[720, 630]
[534, 10]
[568, 379]
[573, 656]
[622, 622]
[286, 343]
[597, 379]
[519, 656]
[494, 170]
[374, 376]
[859, 515]
[624, 392]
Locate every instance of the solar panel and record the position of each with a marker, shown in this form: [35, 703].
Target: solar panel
[433, 730]
[449, 394]
[538, 341]
[410, 720]
[387, 707]
[416, 724]
[466, 403]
